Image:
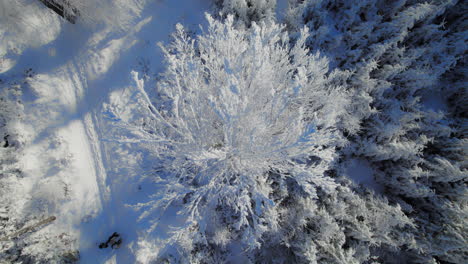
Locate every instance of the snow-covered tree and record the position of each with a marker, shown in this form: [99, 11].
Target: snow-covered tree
[242, 132]
[396, 56]
[247, 11]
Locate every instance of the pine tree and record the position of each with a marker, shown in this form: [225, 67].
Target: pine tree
[394, 55]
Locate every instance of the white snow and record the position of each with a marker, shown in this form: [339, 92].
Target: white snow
[361, 173]
[281, 8]
[67, 167]
[435, 101]
[23, 23]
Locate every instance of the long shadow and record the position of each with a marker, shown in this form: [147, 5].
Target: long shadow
[46, 58]
[114, 216]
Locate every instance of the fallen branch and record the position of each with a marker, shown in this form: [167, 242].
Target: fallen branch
[28, 229]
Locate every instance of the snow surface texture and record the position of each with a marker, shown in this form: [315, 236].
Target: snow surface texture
[338, 137]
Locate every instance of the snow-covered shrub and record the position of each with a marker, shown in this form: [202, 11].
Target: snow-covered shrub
[18, 210]
[341, 227]
[396, 56]
[247, 11]
[242, 132]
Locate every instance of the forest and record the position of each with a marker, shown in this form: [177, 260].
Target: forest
[233, 131]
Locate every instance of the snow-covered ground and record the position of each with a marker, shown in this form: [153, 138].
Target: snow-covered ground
[67, 169]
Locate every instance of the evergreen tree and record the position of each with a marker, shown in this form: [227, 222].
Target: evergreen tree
[394, 55]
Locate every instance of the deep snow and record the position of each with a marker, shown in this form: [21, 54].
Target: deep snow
[75, 69]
